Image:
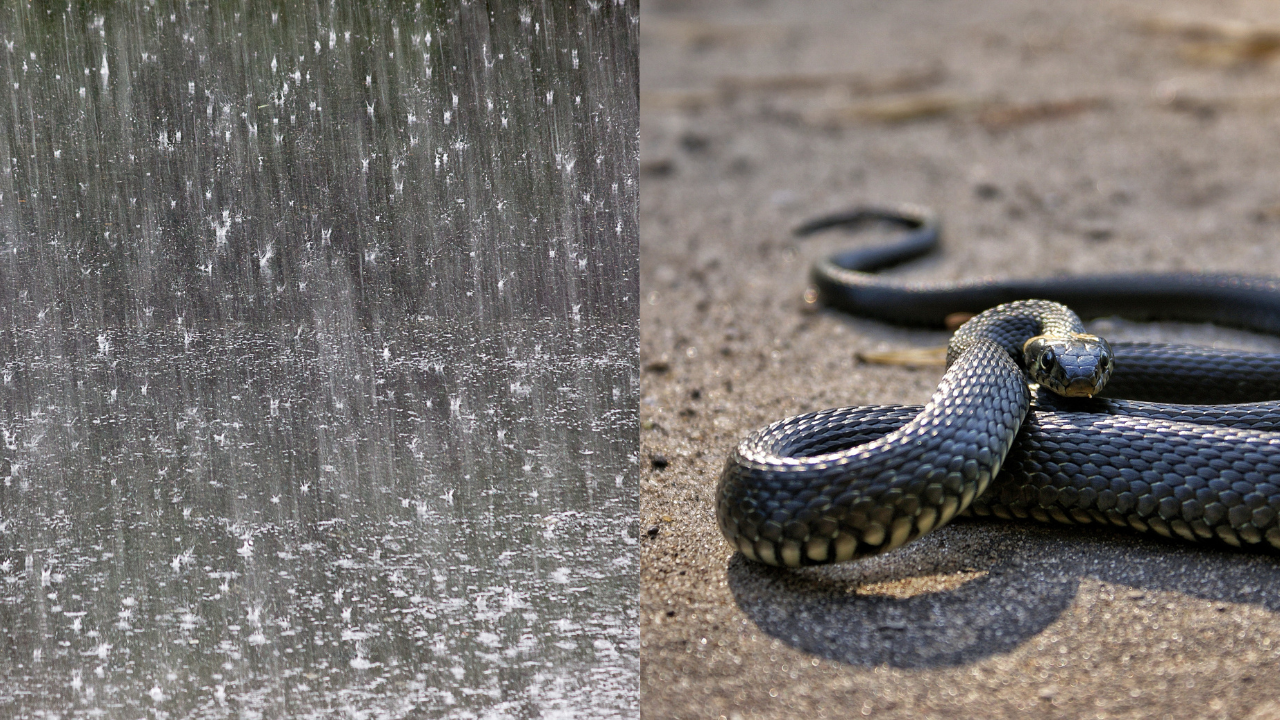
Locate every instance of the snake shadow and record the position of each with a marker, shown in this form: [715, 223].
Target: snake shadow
[979, 588]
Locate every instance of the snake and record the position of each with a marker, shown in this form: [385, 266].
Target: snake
[1034, 417]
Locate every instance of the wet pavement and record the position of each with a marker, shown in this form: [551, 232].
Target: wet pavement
[317, 334]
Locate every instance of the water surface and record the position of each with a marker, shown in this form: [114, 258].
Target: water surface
[317, 360]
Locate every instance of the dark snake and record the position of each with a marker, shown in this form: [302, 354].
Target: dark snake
[839, 484]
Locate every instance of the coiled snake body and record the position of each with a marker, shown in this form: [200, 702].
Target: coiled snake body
[839, 484]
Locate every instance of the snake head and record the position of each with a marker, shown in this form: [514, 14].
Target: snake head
[1075, 365]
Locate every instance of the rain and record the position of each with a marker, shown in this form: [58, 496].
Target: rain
[318, 360]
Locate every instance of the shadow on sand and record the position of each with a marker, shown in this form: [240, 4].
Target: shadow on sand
[980, 588]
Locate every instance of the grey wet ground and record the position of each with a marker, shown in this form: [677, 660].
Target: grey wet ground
[1055, 139]
[317, 360]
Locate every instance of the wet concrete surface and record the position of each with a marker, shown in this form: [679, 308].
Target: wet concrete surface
[317, 360]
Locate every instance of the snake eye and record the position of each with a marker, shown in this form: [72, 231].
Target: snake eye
[1047, 357]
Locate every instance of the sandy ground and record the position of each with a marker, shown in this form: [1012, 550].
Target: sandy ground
[1055, 138]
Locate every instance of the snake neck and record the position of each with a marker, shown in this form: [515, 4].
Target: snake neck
[1012, 324]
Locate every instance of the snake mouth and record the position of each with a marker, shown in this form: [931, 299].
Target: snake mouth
[1080, 387]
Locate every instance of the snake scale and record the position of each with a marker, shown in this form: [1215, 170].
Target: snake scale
[839, 484]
